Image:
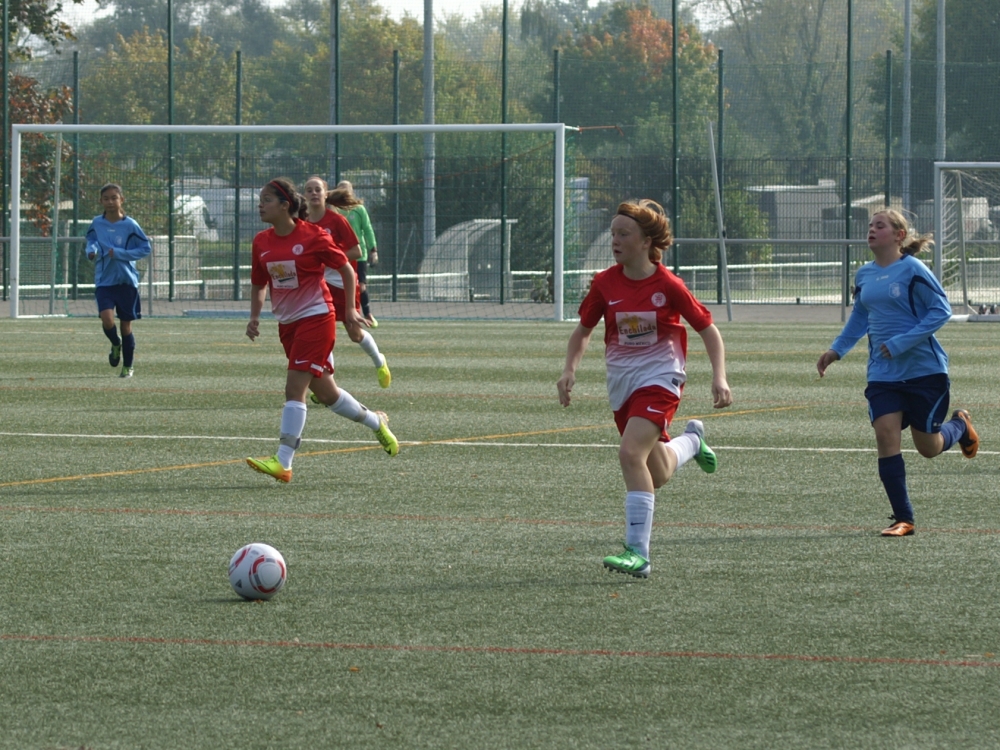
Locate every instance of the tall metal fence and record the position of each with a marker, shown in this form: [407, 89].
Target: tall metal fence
[783, 192]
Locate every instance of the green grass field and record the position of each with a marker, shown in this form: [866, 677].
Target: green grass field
[453, 596]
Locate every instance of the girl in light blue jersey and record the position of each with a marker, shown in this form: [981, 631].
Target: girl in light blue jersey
[115, 242]
[899, 305]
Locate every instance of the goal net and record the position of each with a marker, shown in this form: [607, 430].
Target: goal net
[469, 219]
[966, 224]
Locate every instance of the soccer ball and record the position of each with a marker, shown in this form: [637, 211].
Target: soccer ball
[257, 571]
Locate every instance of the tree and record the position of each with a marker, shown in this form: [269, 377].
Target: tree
[204, 82]
[972, 39]
[29, 102]
[249, 25]
[617, 70]
[791, 55]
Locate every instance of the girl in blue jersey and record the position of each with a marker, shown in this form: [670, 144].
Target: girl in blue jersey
[115, 242]
[899, 304]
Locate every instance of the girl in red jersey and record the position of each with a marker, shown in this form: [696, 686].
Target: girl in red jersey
[288, 260]
[645, 342]
[316, 192]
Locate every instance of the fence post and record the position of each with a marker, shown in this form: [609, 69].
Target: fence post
[237, 178]
[888, 127]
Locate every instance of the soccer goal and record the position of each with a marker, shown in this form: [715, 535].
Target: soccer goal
[470, 220]
[966, 216]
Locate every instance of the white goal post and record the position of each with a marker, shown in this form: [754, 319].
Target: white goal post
[967, 233]
[557, 131]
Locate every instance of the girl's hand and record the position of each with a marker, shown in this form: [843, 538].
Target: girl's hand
[721, 395]
[826, 359]
[565, 385]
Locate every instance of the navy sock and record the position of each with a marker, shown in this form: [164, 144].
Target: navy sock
[112, 334]
[128, 349]
[952, 431]
[365, 306]
[892, 472]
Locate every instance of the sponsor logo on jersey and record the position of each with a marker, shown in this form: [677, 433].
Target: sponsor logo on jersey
[283, 275]
[636, 329]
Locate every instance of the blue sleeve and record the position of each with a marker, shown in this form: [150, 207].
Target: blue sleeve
[925, 292]
[136, 245]
[93, 246]
[855, 328]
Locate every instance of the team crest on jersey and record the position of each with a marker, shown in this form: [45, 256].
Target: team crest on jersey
[659, 299]
[895, 290]
[636, 329]
[283, 275]
[298, 250]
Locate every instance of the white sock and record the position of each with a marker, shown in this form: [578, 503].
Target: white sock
[639, 520]
[293, 421]
[371, 348]
[348, 406]
[684, 447]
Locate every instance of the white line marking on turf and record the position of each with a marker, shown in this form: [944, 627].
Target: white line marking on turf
[486, 443]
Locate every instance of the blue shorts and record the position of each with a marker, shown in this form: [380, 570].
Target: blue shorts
[122, 298]
[923, 401]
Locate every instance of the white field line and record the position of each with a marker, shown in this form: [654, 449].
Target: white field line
[486, 443]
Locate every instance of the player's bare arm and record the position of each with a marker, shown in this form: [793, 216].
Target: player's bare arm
[578, 342]
[722, 396]
[257, 294]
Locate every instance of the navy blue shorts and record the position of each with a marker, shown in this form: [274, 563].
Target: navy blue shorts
[122, 298]
[923, 401]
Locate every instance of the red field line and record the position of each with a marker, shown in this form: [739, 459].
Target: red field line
[419, 518]
[396, 647]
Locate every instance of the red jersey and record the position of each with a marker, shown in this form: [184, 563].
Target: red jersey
[645, 344]
[339, 228]
[292, 266]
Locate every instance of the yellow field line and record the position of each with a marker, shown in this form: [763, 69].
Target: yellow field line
[207, 464]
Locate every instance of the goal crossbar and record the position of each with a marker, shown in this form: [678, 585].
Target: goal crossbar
[558, 131]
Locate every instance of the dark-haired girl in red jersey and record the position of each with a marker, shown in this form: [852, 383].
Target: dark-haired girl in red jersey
[289, 259]
[645, 349]
[320, 214]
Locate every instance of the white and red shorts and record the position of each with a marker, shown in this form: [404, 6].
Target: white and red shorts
[654, 403]
[309, 343]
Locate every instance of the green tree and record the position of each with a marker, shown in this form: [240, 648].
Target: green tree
[972, 40]
[31, 21]
[616, 71]
[129, 83]
[787, 58]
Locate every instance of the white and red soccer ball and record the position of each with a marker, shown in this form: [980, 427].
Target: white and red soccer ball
[257, 571]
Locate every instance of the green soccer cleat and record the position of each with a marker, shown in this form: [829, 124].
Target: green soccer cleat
[314, 398]
[272, 467]
[115, 357]
[384, 376]
[372, 323]
[631, 563]
[127, 372]
[384, 435]
[705, 457]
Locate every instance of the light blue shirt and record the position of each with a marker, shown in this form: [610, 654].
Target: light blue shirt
[901, 306]
[130, 244]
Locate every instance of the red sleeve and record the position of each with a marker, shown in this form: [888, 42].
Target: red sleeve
[686, 304]
[342, 232]
[594, 304]
[258, 273]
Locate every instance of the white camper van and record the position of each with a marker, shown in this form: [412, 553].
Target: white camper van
[193, 210]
